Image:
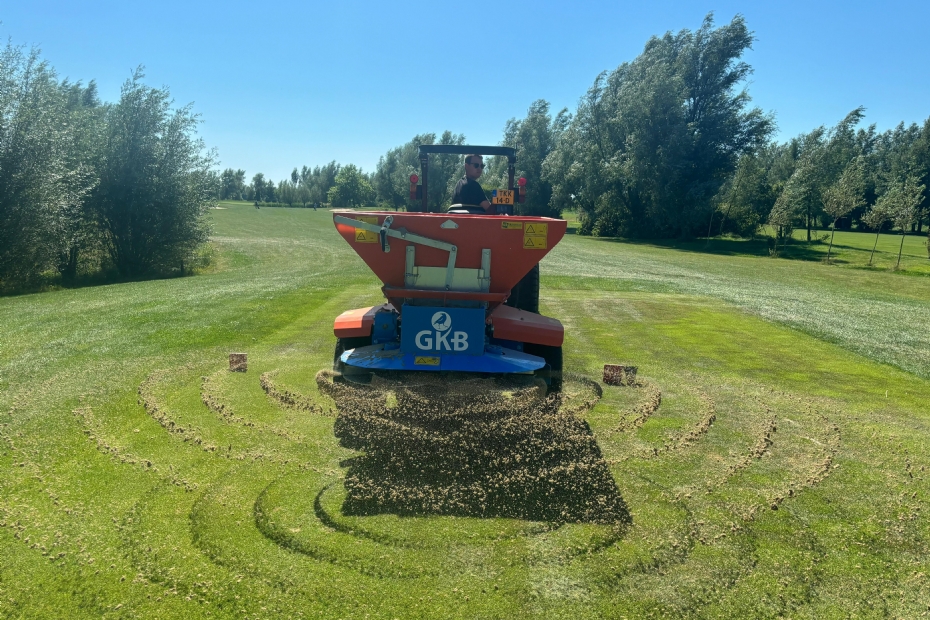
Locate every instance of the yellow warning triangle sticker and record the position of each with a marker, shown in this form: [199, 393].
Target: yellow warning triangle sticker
[359, 235]
[527, 242]
[529, 230]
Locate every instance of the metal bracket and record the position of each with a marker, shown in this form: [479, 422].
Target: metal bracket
[485, 276]
[401, 233]
[450, 268]
[410, 273]
[385, 246]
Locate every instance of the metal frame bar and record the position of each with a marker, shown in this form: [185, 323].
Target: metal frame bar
[424, 151]
[401, 233]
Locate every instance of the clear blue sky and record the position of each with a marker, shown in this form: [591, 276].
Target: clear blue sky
[286, 84]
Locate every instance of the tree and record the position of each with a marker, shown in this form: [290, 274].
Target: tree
[351, 188]
[875, 218]
[389, 189]
[232, 184]
[444, 172]
[74, 232]
[258, 187]
[391, 179]
[535, 137]
[810, 164]
[43, 176]
[786, 209]
[303, 194]
[843, 196]
[155, 182]
[653, 141]
[746, 200]
[286, 192]
[902, 202]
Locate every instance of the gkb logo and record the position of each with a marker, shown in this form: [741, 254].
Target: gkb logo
[441, 321]
[439, 340]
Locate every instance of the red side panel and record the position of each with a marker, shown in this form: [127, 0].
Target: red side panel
[356, 323]
[521, 326]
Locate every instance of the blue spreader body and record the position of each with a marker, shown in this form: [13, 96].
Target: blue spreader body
[438, 338]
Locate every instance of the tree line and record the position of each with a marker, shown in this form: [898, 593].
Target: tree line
[91, 187]
[668, 145]
[335, 184]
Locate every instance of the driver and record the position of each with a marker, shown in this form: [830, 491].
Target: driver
[468, 191]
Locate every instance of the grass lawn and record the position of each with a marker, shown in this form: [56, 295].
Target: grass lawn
[773, 458]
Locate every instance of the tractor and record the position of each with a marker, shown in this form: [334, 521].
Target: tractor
[462, 286]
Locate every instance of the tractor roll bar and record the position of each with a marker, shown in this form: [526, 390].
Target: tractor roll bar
[462, 149]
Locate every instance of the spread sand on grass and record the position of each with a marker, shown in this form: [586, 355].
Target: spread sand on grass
[482, 447]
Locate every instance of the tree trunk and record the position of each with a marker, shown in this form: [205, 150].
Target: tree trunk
[68, 267]
[900, 249]
[833, 232]
[724, 219]
[875, 245]
[808, 224]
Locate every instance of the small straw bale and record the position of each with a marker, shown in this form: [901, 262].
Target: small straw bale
[238, 362]
[619, 374]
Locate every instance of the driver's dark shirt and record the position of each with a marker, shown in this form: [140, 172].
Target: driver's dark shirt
[468, 192]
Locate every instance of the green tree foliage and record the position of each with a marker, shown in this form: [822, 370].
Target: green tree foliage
[901, 153]
[311, 185]
[258, 186]
[843, 196]
[43, 171]
[803, 175]
[876, 218]
[534, 137]
[749, 195]
[653, 141]
[444, 172]
[351, 189]
[391, 179]
[155, 182]
[903, 201]
[75, 234]
[232, 185]
[785, 211]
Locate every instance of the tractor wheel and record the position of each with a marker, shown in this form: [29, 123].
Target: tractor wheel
[343, 345]
[553, 357]
[525, 295]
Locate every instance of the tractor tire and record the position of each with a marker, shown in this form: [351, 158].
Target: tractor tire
[553, 357]
[343, 345]
[525, 295]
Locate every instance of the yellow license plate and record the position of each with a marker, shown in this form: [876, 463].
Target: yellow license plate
[502, 197]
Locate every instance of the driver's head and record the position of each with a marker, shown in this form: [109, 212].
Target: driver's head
[474, 166]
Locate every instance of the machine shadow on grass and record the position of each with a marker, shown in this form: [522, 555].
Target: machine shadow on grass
[725, 246]
[471, 447]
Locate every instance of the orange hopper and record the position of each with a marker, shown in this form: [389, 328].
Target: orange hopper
[514, 245]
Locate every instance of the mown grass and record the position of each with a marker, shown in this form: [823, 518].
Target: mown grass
[782, 472]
